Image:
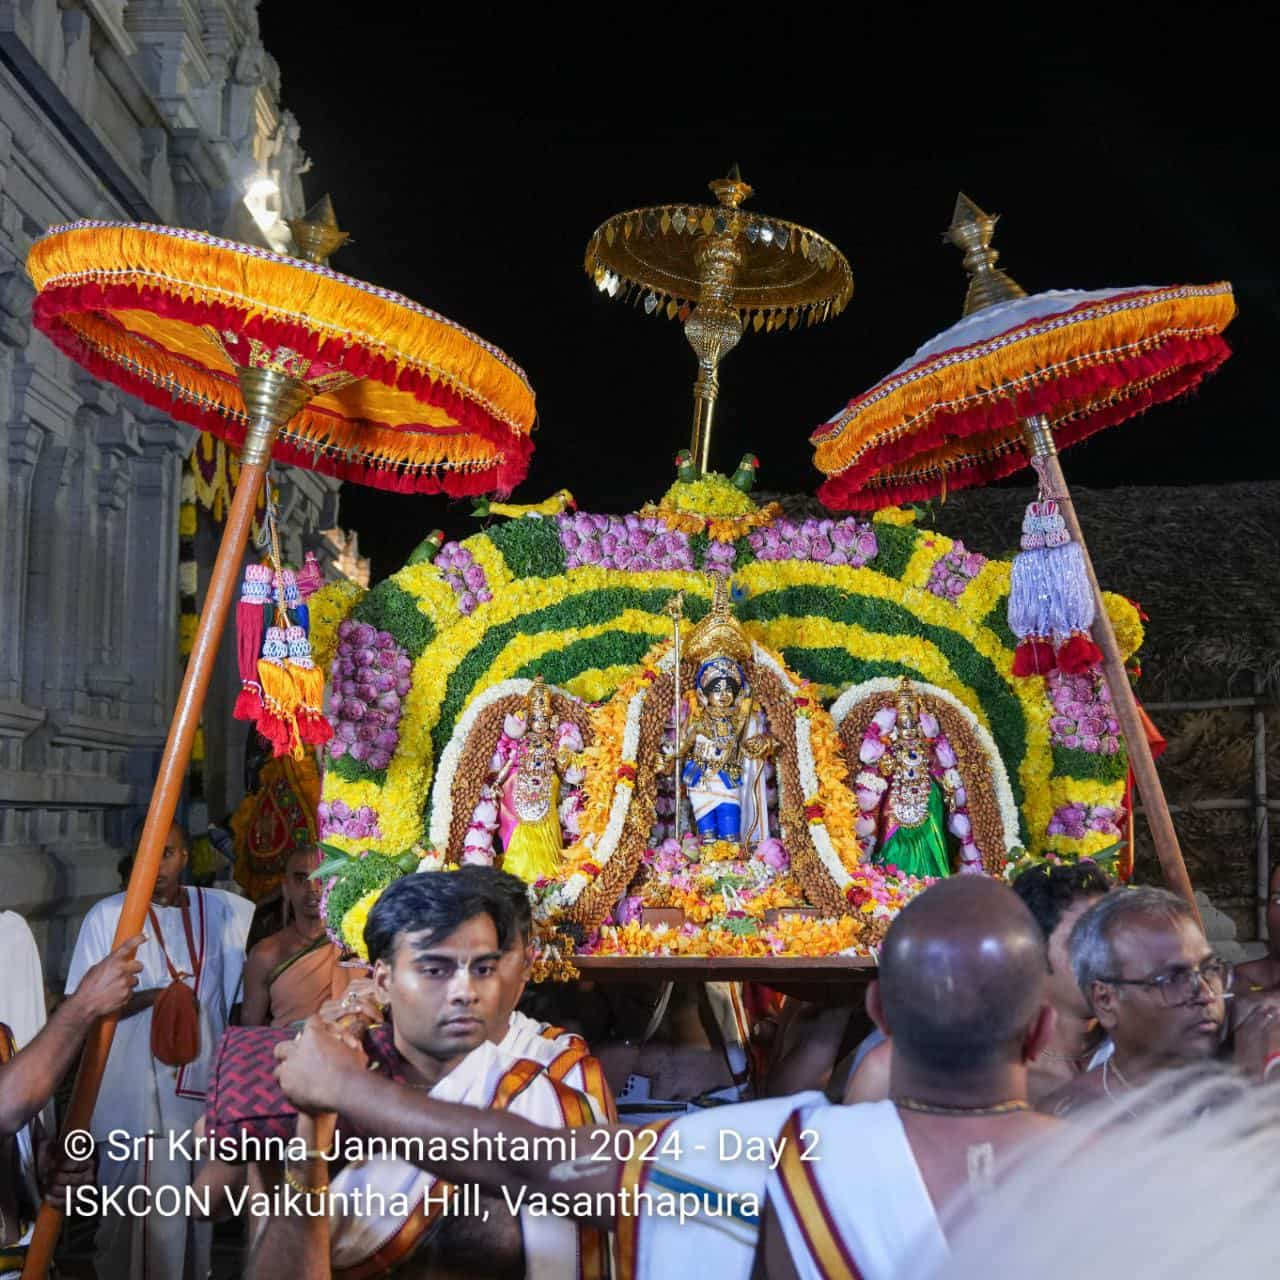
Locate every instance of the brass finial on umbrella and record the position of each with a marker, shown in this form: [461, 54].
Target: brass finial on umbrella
[317, 234]
[971, 230]
[719, 269]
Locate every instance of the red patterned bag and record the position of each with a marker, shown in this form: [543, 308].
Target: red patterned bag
[245, 1102]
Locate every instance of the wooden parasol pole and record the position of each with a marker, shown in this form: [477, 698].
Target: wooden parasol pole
[271, 399]
[1045, 454]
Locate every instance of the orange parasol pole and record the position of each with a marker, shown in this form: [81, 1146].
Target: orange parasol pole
[271, 399]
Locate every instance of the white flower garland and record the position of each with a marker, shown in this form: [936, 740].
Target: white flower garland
[806, 766]
[1004, 792]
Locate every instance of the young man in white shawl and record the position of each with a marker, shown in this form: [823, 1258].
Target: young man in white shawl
[439, 943]
[199, 935]
[791, 1186]
[564, 1055]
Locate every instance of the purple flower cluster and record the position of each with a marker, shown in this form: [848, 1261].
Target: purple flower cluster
[632, 543]
[954, 571]
[369, 680]
[1083, 718]
[1076, 820]
[719, 557]
[850, 542]
[340, 819]
[459, 569]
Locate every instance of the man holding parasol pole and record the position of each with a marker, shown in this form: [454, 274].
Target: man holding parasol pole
[279, 357]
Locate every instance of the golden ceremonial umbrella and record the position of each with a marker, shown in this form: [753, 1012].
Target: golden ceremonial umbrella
[1015, 379]
[271, 354]
[719, 270]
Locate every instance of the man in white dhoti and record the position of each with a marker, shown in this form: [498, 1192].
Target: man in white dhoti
[962, 993]
[438, 943]
[841, 1191]
[200, 934]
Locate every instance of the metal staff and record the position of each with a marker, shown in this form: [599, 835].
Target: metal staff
[675, 611]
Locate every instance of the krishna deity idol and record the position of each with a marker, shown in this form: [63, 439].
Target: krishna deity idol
[725, 745]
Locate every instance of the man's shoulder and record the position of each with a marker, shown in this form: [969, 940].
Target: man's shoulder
[104, 908]
[1080, 1092]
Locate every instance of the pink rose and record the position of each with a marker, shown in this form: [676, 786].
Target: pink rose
[1071, 741]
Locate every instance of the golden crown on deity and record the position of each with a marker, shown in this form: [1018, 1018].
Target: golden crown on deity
[719, 634]
[539, 697]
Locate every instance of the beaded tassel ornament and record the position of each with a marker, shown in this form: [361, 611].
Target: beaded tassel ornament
[1051, 606]
[255, 596]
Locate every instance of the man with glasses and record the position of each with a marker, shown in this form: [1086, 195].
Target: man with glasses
[1147, 971]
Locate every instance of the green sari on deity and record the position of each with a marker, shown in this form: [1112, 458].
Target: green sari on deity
[921, 849]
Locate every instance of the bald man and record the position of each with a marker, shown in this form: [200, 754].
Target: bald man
[962, 990]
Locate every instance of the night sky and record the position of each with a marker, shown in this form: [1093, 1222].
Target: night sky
[471, 157]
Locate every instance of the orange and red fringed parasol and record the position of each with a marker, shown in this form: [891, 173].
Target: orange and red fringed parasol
[403, 399]
[952, 415]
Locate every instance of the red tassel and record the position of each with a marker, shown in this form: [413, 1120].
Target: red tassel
[254, 594]
[1033, 658]
[1079, 655]
[248, 702]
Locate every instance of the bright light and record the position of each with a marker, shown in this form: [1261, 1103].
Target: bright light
[261, 189]
[262, 199]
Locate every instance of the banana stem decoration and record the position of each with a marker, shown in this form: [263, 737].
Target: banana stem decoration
[675, 611]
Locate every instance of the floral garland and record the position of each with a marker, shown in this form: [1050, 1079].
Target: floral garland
[1083, 718]
[336, 818]
[709, 495]
[370, 677]
[328, 608]
[953, 572]
[467, 578]
[633, 544]
[835, 542]
[595, 650]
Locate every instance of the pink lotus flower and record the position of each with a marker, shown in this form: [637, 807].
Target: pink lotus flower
[929, 724]
[884, 720]
[773, 854]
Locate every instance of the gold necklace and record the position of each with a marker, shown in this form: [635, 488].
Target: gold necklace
[940, 1109]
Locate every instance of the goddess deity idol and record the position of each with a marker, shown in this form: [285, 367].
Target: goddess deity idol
[913, 821]
[725, 746]
[528, 784]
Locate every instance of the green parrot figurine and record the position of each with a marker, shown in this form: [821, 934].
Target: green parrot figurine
[745, 476]
[686, 473]
[427, 550]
